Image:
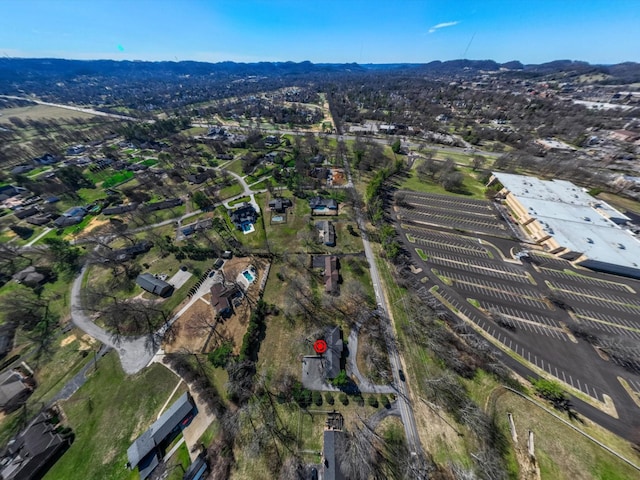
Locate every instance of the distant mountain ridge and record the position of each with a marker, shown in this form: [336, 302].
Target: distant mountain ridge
[11, 68]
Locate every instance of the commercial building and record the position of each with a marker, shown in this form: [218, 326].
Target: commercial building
[568, 222]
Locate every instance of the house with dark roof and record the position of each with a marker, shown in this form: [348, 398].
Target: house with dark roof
[199, 178]
[73, 216]
[34, 450]
[14, 390]
[198, 226]
[117, 209]
[320, 206]
[38, 219]
[76, 150]
[222, 297]
[9, 191]
[46, 159]
[146, 452]
[333, 444]
[154, 285]
[331, 275]
[25, 212]
[244, 215]
[326, 232]
[132, 251]
[197, 470]
[280, 204]
[333, 356]
[21, 169]
[29, 276]
[163, 205]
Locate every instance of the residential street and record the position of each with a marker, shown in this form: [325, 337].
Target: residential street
[404, 401]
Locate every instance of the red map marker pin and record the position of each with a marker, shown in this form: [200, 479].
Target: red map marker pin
[320, 346]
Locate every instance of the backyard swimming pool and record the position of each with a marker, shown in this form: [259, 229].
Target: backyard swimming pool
[249, 274]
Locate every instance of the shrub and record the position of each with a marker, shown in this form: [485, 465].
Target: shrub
[220, 356]
[329, 398]
[341, 380]
[317, 398]
[359, 400]
[372, 401]
[344, 399]
[384, 400]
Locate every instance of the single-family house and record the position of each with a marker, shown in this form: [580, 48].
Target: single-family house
[29, 276]
[198, 226]
[271, 140]
[34, 450]
[8, 191]
[21, 169]
[146, 452]
[154, 285]
[163, 205]
[76, 150]
[327, 233]
[243, 216]
[46, 159]
[331, 275]
[198, 178]
[279, 204]
[14, 390]
[197, 470]
[23, 213]
[333, 444]
[38, 220]
[72, 216]
[325, 206]
[222, 298]
[118, 209]
[333, 355]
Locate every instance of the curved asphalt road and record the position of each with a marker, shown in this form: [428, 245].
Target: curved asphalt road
[135, 352]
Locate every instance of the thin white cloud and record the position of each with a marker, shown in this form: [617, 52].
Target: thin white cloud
[442, 25]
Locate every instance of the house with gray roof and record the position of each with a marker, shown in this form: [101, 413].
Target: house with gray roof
[154, 285]
[333, 444]
[147, 450]
[327, 233]
[13, 390]
[323, 206]
[333, 356]
[34, 450]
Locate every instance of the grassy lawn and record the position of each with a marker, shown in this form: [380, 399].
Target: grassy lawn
[90, 195]
[620, 202]
[106, 415]
[561, 452]
[471, 185]
[239, 201]
[234, 166]
[230, 191]
[117, 179]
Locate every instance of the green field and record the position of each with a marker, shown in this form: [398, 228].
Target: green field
[106, 415]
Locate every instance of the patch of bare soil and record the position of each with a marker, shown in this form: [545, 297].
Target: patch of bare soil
[191, 328]
[92, 225]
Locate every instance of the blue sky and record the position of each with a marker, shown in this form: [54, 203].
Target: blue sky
[372, 31]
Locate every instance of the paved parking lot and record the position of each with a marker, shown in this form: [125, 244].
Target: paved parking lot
[476, 266]
[583, 279]
[460, 238]
[450, 246]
